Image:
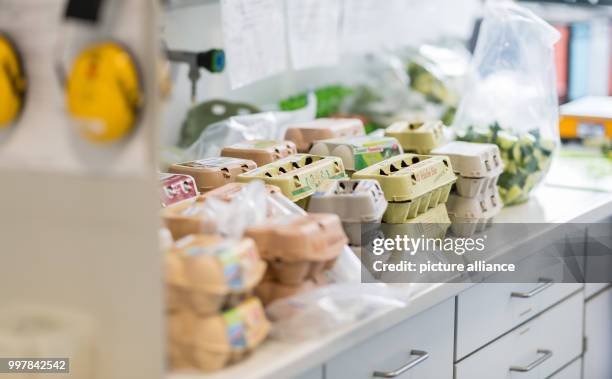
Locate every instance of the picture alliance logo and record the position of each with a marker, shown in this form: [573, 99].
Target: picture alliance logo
[412, 245]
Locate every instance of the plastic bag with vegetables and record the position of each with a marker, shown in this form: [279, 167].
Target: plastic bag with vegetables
[510, 96]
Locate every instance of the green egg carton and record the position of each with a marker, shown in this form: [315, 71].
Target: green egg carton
[408, 177]
[404, 211]
[358, 152]
[432, 224]
[417, 136]
[298, 176]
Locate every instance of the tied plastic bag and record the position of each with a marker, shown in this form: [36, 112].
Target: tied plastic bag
[510, 96]
[267, 125]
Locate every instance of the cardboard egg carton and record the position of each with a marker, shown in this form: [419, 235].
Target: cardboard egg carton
[214, 342]
[402, 212]
[358, 152]
[261, 152]
[432, 224]
[210, 173]
[207, 273]
[417, 136]
[176, 188]
[354, 201]
[306, 133]
[299, 248]
[188, 217]
[298, 176]
[478, 165]
[473, 215]
[269, 290]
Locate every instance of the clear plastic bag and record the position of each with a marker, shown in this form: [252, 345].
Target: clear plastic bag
[316, 313]
[267, 125]
[510, 96]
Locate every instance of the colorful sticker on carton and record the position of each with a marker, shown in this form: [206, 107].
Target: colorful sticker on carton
[235, 329]
[230, 259]
[374, 152]
[176, 188]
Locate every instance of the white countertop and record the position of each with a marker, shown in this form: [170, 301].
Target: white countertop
[276, 359]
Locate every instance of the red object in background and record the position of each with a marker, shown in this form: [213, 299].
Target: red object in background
[176, 188]
[561, 61]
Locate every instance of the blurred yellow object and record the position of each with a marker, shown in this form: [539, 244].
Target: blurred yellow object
[104, 92]
[587, 118]
[12, 83]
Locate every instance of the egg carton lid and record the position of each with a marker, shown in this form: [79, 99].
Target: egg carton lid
[352, 200]
[472, 160]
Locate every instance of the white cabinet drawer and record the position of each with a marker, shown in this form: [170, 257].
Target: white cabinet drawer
[572, 371]
[534, 350]
[424, 342]
[487, 311]
[598, 331]
[315, 373]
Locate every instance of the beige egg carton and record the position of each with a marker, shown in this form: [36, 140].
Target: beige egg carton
[417, 135]
[210, 173]
[478, 165]
[299, 248]
[207, 273]
[473, 215]
[269, 290]
[298, 176]
[261, 152]
[354, 201]
[358, 152]
[306, 133]
[176, 188]
[214, 342]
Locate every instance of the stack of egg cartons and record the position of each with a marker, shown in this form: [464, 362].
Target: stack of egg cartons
[261, 152]
[213, 319]
[476, 199]
[211, 173]
[360, 152]
[298, 249]
[416, 188]
[417, 135]
[359, 204]
[298, 176]
[306, 133]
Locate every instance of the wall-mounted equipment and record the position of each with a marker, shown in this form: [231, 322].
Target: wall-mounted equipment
[212, 60]
[12, 82]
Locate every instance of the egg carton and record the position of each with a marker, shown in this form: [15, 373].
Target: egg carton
[306, 133]
[268, 290]
[206, 273]
[478, 165]
[214, 342]
[410, 177]
[176, 188]
[261, 152]
[358, 152]
[299, 248]
[354, 201]
[210, 173]
[401, 212]
[188, 217]
[417, 136]
[434, 223]
[298, 176]
[473, 215]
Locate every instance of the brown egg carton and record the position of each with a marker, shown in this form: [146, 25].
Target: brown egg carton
[214, 342]
[268, 290]
[261, 152]
[207, 273]
[306, 133]
[210, 173]
[188, 217]
[300, 247]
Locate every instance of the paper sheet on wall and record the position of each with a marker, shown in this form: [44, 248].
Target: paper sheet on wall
[313, 32]
[254, 39]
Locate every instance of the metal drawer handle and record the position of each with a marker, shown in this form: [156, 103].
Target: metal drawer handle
[420, 357]
[545, 283]
[544, 356]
